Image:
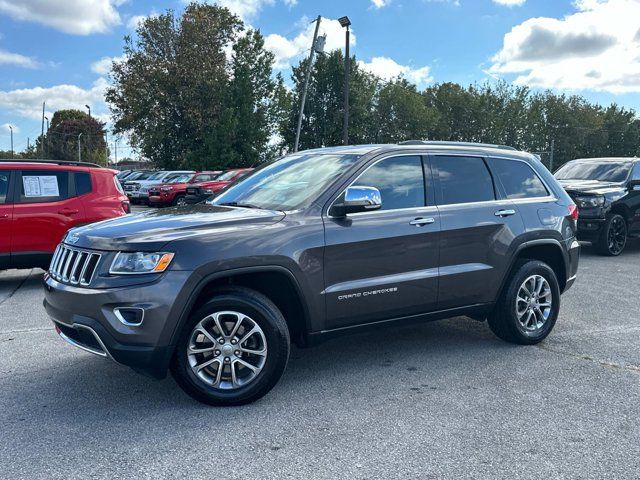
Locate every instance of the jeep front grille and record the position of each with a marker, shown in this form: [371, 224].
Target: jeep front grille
[73, 266]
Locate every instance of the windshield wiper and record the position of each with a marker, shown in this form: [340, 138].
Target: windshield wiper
[241, 205]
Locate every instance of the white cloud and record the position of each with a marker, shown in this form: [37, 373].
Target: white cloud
[287, 50]
[380, 3]
[103, 66]
[510, 3]
[27, 102]
[10, 58]
[79, 17]
[387, 69]
[245, 9]
[595, 48]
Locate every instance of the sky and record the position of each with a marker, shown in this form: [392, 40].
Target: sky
[59, 51]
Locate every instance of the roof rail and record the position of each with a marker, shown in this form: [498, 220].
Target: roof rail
[454, 144]
[52, 162]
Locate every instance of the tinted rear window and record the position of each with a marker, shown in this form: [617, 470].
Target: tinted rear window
[83, 183]
[463, 179]
[518, 179]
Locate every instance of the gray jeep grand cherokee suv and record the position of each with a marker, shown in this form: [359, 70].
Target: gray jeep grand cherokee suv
[315, 244]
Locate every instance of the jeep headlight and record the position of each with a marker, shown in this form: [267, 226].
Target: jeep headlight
[590, 202]
[166, 189]
[127, 263]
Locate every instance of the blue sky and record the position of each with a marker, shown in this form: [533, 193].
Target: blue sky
[56, 51]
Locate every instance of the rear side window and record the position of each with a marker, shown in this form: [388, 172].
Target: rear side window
[37, 186]
[400, 181]
[83, 183]
[463, 179]
[518, 179]
[4, 186]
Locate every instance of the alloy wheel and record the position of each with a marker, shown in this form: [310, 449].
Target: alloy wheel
[617, 235]
[534, 302]
[227, 350]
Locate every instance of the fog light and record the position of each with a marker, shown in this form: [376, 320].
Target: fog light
[130, 316]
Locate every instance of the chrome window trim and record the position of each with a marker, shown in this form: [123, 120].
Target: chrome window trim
[546, 198]
[378, 160]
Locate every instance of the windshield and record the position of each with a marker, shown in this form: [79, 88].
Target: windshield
[288, 183]
[154, 176]
[227, 175]
[143, 176]
[603, 171]
[178, 178]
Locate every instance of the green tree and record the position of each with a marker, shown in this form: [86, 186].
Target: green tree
[67, 128]
[183, 102]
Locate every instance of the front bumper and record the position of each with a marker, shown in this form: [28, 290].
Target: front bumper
[85, 318]
[161, 199]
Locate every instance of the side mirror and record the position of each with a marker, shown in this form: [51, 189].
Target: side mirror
[634, 185]
[357, 199]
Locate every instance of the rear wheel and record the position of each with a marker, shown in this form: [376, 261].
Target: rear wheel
[613, 236]
[528, 307]
[233, 350]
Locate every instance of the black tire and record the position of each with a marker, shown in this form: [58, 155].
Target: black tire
[613, 237]
[504, 322]
[261, 310]
[179, 201]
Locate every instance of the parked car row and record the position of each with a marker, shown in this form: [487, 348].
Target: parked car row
[165, 188]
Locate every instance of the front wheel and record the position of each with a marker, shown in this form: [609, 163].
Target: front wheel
[613, 236]
[233, 350]
[528, 307]
[180, 201]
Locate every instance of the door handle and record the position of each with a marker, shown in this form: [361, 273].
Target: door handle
[418, 222]
[505, 213]
[68, 211]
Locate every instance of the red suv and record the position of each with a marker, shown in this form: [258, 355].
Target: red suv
[173, 192]
[41, 200]
[201, 191]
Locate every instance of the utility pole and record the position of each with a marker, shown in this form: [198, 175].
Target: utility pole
[306, 83]
[553, 144]
[42, 134]
[11, 129]
[79, 153]
[345, 22]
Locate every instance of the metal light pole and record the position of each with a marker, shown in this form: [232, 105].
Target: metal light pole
[47, 149]
[42, 134]
[306, 83]
[115, 150]
[345, 22]
[11, 129]
[88, 108]
[79, 153]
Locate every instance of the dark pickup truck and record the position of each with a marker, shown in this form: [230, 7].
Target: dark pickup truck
[316, 244]
[607, 193]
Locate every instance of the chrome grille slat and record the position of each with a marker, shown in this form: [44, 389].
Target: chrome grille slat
[74, 266]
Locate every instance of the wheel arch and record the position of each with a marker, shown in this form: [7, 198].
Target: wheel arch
[549, 251]
[275, 282]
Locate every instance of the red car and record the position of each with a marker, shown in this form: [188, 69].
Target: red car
[41, 200]
[201, 191]
[174, 190]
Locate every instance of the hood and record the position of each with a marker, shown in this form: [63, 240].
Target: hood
[176, 186]
[152, 230]
[590, 187]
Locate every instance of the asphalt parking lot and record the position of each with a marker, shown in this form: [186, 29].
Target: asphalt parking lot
[440, 400]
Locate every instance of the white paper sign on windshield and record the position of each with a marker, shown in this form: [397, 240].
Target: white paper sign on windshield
[40, 186]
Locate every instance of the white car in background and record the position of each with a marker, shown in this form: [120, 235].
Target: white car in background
[138, 190]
